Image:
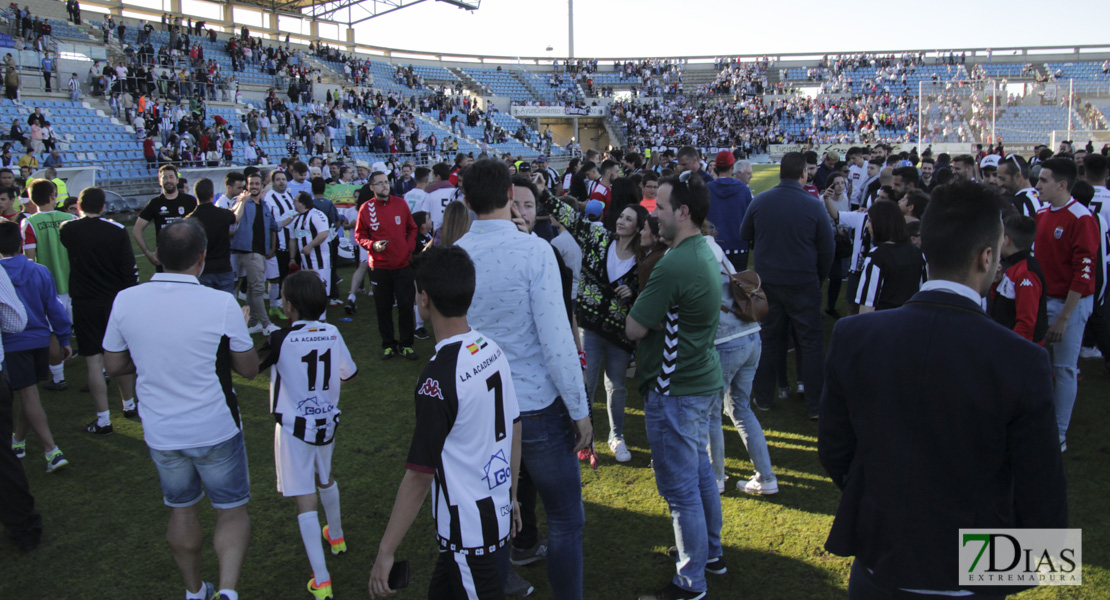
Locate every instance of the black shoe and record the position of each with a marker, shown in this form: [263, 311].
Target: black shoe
[673, 592]
[813, 416]
[350, 307]
[56, 387]
[97, 429]
[27, 541]
[421, 333]
[716, 566]
[760, 405]
[131, 414]
[388, 354]
[527, 556]
[832, 312]
[409, 353]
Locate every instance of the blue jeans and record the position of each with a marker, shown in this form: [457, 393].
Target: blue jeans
[739, 359]
[220, 469]
[225, 282]
[677, 428]
[547, 453]
[616, 366]
[1065, 358]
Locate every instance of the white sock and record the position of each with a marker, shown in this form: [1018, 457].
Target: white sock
[129, 404]
[58, 372]
[103, 419]
[351, 297]
[313, 545]
[329, 497]
[275, 295]
[197, 595]
[419, 321]
[231, 594]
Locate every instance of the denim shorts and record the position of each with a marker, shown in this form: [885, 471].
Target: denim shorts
[221, 469]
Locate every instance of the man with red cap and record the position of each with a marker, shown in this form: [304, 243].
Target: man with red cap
[728, 202]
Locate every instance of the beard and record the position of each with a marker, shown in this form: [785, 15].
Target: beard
[169, 187]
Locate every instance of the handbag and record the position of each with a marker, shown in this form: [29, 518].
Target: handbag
[748, 297]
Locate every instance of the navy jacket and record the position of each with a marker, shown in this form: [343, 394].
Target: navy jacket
[790, 235]
[728, 203]
[936, 418]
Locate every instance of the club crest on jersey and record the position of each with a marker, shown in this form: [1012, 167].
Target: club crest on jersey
[397, 219]
[497, 470]
[1059, 233]
[431, 389]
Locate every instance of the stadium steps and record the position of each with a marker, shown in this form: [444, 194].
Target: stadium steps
[470, 83]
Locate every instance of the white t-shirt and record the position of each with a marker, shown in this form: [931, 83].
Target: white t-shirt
[417, 199]
[616, 267]
[179, 334]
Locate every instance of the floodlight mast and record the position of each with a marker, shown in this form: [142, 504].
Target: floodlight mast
[570, 28]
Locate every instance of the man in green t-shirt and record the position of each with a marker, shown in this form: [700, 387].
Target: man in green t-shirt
[675, 318]
[43, 244]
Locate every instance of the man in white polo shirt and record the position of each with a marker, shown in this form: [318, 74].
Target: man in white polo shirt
[189, 410]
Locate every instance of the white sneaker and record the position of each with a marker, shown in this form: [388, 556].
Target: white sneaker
[1092, 352]
[801, 388]
[242, 296]
[255, 329]
[784, 393]
[759, 487]
[620, 450]
[270, 329]
[721, 486]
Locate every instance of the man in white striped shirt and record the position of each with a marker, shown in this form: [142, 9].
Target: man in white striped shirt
[74, 89]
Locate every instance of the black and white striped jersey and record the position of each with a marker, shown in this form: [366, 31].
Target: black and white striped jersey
[281, 205]
[465, 409]
[309, 361]
[305, 227]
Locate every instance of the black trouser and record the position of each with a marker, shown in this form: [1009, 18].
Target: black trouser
[800, 305]
[1098, 331]
[282, 257]
[463, 577]
[836, 278]
[17, 505]
[390, 285]
[739, 260]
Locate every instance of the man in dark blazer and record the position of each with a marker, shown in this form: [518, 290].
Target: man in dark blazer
[935, 418]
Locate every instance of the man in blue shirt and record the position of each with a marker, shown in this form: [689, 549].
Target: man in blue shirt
[728, 202]
[47, 65]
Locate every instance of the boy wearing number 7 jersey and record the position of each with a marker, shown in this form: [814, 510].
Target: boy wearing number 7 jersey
[310, 362]
[466, 444]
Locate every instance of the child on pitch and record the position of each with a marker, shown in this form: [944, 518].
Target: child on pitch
[1017, 298]
[310, 362]
[466, 443]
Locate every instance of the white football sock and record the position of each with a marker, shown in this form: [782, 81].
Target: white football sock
[197, 595]
[58, 372]
[103, 419]
[314, 545]
[329, 497]
[129, 404]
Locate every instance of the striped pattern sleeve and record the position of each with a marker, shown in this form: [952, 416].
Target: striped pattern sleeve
[870, 282]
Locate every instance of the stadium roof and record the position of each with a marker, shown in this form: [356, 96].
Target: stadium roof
[350, 11]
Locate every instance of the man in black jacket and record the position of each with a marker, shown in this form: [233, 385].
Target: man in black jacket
[102, 263]
[792, 241]
[935, 418]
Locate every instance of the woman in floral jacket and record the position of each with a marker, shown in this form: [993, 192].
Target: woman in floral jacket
[606, 291]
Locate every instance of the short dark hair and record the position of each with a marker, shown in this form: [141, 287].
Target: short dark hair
[966, 159]
[793, 166]
[647, 176]
[908, 174]
[928, 159]
[887, 222]
[811, 157]
[1083, 192]
[421, 174]
[42, 190]
[1062, 168]
[1095, 166]
[691, 193]
[688, 152]
[446, 274]
[1014, 165]
[441, 170]
[10, 238]
[167, 167]
[232, 177]
[306, 292]
[918, 200]
[300, 167]
[305, 199]
[181, 244]
[525, 182]
[203, 188]
[91, 200]
[635, 158]
[1021, 230]
[961, 221]
[318, 185]
[487, 185]
[606, 166]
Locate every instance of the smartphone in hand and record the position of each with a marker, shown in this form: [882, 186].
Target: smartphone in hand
[399, 575]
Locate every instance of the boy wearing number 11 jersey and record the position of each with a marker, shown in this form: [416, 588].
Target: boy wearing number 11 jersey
[466, 444]
[310, 362]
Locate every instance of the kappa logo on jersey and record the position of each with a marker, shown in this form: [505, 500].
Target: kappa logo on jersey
[497, 470]
[431, 389]
[1026, 283]
[1059, 233]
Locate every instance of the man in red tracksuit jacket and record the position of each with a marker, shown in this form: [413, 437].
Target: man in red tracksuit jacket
[1017, 300]
[1067, 247]
[386, 230]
